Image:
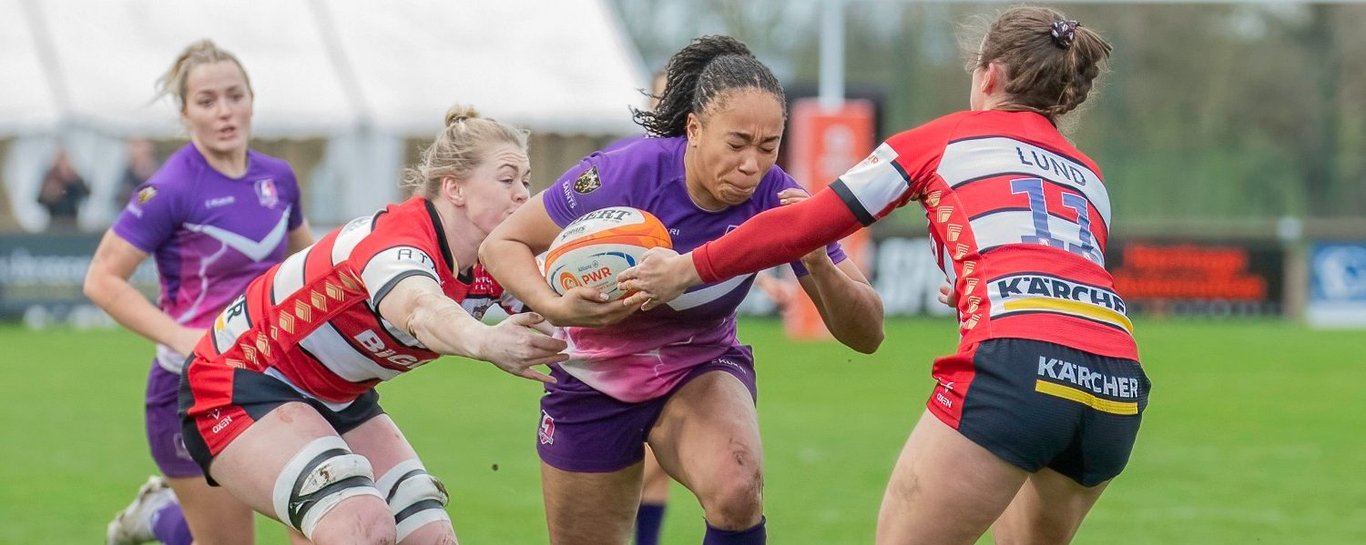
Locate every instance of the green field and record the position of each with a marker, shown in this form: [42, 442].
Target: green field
[1248, 438]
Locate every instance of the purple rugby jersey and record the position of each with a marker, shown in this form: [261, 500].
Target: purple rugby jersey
[644, 356]
[210, 234]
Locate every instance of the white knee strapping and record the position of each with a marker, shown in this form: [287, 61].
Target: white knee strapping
[415, 497]
[320, 476]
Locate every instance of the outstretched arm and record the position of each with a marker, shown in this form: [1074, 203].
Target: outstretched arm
[776, 236]
[418, 305]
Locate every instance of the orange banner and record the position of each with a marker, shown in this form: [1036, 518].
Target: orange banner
[823, 143]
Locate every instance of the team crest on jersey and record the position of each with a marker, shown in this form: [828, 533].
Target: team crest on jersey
[146, 194]
[267, 192]
[588, 181]
[547, 431]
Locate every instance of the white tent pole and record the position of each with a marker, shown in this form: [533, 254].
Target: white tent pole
[327, 29]
[832, 54]
[47, 59]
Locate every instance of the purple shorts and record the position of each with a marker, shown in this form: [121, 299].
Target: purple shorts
[163, 425]
[586, 431]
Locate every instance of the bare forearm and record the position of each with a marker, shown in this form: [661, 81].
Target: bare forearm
[850, 308]
[301, 237]
[131, 309]
[443, 327]
[513, 264]
[417, 304]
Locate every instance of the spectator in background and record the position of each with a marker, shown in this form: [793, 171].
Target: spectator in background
[142, 164]
[62, 191]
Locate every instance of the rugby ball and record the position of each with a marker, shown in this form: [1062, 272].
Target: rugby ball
[592, 249]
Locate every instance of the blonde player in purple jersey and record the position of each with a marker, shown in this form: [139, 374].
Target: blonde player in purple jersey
[677, 378]
[216, 215]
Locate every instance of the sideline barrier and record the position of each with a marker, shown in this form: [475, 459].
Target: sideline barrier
[1177, 278]
[1337, 285]
[41, 279]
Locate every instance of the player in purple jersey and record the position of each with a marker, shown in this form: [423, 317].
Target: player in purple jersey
[676, 378]
[215, 216]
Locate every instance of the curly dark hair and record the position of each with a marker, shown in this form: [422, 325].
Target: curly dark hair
[697, 75]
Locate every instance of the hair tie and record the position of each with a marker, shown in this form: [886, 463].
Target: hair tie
[1063, 33]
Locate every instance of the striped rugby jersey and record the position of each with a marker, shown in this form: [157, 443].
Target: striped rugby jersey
[1018, 218]
[313, 320]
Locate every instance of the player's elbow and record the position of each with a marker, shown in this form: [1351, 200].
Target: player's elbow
[872, 332]
[864, 338]
[488, 249]
[94, 289]
[869, 341]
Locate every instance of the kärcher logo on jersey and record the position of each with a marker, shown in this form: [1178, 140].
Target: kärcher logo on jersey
[1057, 288]
[1024, 293]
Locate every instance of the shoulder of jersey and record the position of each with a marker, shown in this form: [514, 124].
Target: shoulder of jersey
[944, 126]
[275, 167]
[175, 176]
[641, 162]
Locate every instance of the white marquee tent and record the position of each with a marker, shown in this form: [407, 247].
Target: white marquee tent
[80, 74]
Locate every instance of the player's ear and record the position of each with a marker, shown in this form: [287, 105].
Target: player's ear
[453, 191]
[693, 126]
[993, 77]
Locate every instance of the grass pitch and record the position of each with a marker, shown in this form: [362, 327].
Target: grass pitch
[1248, 437]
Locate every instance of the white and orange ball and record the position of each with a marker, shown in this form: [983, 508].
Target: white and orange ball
[593, 249]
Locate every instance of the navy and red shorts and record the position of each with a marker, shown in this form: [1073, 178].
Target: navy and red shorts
[1041, 405]
[218, 402]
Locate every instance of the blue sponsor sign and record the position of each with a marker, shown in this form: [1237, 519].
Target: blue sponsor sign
[1337, 284]
[42, 275]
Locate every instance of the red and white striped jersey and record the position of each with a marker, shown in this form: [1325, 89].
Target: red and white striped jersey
[313, 319]
[1019, 219]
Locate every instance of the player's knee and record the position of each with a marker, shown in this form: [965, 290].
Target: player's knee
[325, 476]
[736, 502]
[1052, 530]
[417, 500]
[1037, 528]
[361, 520]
